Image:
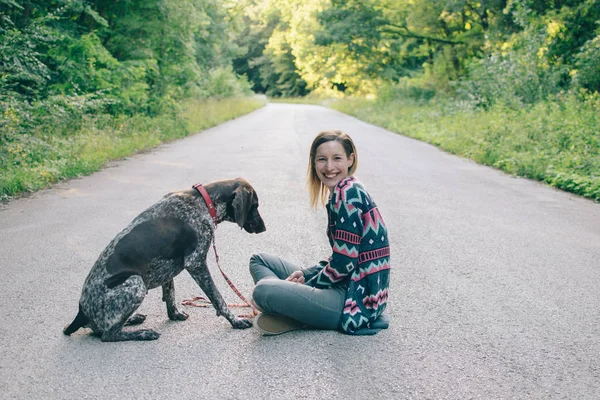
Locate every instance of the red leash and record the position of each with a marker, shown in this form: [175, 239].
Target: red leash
[204, 302]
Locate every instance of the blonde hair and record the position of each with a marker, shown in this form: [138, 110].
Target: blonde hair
[317, 191]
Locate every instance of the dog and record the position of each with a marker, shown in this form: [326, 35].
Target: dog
[168, 237]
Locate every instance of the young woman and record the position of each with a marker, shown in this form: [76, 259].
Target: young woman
[349, 291]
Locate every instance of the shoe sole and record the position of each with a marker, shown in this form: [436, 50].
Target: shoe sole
[271, 325]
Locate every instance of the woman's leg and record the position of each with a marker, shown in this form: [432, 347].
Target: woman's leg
[317, 308]
[266, 265]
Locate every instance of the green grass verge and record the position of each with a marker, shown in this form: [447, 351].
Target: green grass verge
[50, 153]
[557, 142]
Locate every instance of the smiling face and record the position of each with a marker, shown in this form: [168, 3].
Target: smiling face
[331, 163]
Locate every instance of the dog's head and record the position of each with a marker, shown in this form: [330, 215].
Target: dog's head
[241, 203]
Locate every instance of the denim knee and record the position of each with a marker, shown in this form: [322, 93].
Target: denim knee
[263, 292]
[255, 259]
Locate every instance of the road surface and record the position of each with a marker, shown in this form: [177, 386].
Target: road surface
[495, 290]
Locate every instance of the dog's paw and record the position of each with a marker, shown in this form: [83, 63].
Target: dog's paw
[241, 323]
[147, 334]
[136, 319]
[178, 316]
[142, 334]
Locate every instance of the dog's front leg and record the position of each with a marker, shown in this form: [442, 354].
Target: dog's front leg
[169, 298]
[202, 276]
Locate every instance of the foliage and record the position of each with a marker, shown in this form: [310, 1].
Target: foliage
[587, 64]
[355, 46]
[468, 48]
[222, 82]
[515, 75]
[140, 54]
[271, 61]
[539, 60]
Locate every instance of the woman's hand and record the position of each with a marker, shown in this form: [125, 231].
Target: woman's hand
[297, 277]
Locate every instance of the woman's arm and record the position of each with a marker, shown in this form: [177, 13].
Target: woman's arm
[310, 272]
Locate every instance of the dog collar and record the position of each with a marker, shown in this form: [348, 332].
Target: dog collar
[208, 201]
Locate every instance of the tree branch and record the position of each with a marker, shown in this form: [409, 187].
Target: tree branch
[391, 28]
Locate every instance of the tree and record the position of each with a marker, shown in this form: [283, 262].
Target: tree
[271, 62]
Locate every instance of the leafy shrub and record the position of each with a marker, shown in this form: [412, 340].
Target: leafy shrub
[21, 70]
[222, 82]
[516, 75]
[588, 65]
[418, 90]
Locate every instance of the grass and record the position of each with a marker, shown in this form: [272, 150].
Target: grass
[58, 150]
[200, 115]
[557, 142]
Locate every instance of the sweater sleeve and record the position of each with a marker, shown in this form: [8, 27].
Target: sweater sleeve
[346, 244]
[309, 272]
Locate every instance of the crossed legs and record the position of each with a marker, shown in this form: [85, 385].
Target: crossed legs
[317, 308]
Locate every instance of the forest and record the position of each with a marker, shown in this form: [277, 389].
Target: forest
[509, 83]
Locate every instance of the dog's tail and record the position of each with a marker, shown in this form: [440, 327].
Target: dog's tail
[79, 321]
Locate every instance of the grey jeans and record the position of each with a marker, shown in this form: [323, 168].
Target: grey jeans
[317, 308]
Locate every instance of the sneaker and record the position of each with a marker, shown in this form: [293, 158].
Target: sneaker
[275, 324]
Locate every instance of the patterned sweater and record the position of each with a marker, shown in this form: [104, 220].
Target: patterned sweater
[361, 255]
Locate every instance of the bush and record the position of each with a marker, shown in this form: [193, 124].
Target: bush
[414, 89]
[222, 82]
[516, 75]
[588, 65]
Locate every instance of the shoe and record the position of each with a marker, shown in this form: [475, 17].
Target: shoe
[275, 324]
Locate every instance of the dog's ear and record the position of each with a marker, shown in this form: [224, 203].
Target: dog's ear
[242, 201]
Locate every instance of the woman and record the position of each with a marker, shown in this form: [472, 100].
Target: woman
[349, 291]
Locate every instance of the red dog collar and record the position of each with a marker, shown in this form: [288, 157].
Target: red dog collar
[208, 201]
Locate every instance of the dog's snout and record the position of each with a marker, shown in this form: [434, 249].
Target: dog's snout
[260, 228]
[257, 228]
[255, 224]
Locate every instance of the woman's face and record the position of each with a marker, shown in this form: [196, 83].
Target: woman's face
[332, 164]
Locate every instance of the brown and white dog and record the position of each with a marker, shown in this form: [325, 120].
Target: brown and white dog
[170, 236]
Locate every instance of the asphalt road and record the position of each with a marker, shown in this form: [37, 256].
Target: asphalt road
[495, 290]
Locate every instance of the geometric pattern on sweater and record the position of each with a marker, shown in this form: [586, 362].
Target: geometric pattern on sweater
[360, 255]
